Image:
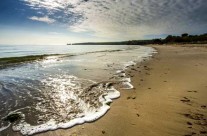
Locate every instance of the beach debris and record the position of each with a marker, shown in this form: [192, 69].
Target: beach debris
[103, 132]
[138, 115]
[12, 117]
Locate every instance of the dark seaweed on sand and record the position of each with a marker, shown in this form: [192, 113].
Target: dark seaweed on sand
[13, 61]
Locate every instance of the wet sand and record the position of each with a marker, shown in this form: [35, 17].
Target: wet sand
[169, 98]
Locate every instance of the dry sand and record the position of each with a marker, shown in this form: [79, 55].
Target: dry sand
[169, 99]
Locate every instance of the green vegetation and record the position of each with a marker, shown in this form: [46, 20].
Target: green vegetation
[183, 39]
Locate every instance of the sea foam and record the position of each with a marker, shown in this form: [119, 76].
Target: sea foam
[27, 129]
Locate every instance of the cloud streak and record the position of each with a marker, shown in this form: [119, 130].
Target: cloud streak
[44, 19]
[121, 19]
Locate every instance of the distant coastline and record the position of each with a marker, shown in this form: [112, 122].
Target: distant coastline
[170, 39]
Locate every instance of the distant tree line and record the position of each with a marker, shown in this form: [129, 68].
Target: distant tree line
[170, 39]
[184, 38]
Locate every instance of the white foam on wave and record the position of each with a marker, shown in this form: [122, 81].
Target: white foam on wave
[127, 64]
[5, 127]
[127, 82]
[27, 129]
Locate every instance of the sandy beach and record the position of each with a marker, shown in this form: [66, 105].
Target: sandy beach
[103, 68]
[169, 98]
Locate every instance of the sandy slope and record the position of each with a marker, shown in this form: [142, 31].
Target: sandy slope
[170, 98]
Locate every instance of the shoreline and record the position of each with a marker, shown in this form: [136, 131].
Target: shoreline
[144, 53]
[168, 98]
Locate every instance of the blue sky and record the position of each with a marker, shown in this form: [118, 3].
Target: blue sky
[63, 21]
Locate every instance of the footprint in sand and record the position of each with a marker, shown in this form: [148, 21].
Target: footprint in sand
[131, 97]
[133, 69]
[103, 132]
[186, 100]
[192, 91]
[193, 133]
[194, 116]
[203, 106]
[199, 120]
[189, 123]
[147, 73]
[195, 119]
[202, 123]
[203, 132]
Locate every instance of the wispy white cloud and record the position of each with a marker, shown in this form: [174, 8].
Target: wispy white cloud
[126, 19]
[45, 19]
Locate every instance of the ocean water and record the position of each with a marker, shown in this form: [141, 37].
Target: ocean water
[63, 91]
[25, 50]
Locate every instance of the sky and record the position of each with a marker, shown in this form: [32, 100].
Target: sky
[51, 22]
